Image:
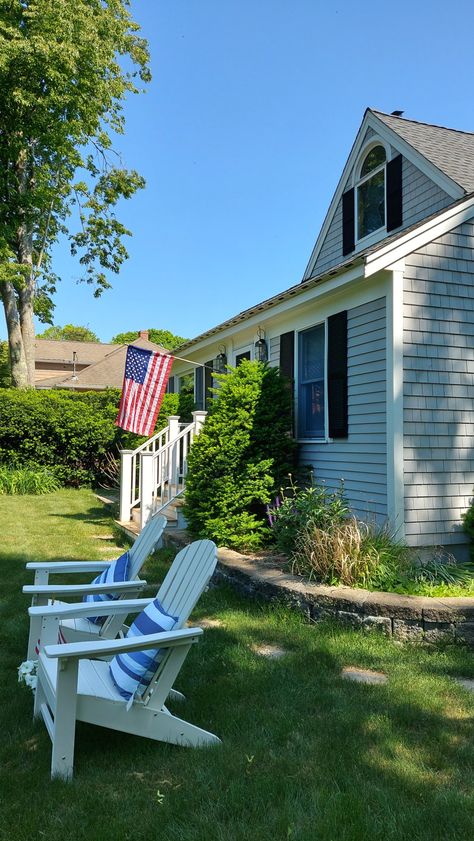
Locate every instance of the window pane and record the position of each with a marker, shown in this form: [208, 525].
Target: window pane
[311, 418]
[312, 354]
[371, 205]
[241, 356]
[375, 158]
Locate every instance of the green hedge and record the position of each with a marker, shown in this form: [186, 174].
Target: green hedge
[71, 433]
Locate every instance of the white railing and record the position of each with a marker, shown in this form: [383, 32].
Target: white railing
[154, 474]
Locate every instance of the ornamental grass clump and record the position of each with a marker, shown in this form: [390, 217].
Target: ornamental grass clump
[351, 553]
[27, 480]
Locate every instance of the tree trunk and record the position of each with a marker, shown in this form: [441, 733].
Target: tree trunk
[19, 367]
[28, 330]
[26, 291]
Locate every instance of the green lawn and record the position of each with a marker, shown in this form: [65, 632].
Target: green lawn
[306, 756]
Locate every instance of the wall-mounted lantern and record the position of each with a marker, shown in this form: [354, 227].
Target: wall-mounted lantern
[261, 347]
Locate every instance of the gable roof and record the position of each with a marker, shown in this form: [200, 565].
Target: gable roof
[450, 150]
[105, 373]
[392, 130]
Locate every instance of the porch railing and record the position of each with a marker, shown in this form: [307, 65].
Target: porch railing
[154, 474]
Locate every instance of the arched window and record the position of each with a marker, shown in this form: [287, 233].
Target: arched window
[370, 192]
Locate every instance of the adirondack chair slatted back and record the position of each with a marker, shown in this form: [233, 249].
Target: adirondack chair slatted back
[186, 579]
[144, 544]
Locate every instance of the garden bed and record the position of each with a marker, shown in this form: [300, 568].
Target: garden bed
[420, 618]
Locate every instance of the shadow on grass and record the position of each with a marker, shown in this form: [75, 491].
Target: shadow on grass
[305, 755]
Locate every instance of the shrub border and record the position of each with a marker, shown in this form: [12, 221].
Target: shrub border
[419, 618]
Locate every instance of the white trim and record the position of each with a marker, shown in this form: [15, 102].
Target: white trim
[244, 349]
[391, 253]
[391, 137]
[394, 409]
[371, 143]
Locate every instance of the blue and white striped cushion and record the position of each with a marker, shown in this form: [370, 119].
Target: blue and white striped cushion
[117, 571]
[136, 668]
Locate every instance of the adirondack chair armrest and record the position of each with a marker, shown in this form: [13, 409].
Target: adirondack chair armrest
[68, 566]
[69, 611]
[82, 589]
[88, 650]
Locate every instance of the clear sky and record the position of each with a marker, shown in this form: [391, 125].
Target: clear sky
[242, 137]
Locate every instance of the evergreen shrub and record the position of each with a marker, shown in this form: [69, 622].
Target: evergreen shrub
[240, 457]
[71, 433]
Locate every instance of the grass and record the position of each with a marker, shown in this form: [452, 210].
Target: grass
[305, 755]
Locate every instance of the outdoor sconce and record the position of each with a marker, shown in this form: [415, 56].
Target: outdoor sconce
[261, 347]
[220, 361]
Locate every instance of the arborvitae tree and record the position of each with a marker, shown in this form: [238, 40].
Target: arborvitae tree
[241, 456]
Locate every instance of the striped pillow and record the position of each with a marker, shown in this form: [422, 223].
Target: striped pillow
[130, 670]
[117, 571]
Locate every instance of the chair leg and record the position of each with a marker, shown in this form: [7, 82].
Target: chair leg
[62, 760]
[169, 728]
[34, 638]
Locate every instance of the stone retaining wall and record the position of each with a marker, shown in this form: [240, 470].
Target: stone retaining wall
[404, 617]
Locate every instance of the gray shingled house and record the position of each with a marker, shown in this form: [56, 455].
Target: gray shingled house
[378, 337]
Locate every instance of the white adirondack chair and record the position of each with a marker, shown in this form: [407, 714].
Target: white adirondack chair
[43, 593]
[73, 686]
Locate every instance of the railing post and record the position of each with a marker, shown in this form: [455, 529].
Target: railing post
[125, 485]
[199, 417]
[173, 432]
[147, 486]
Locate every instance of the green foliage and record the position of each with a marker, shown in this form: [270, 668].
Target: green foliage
[240, 456]
[65, 70]
[164, 338]
[5, 373]
[468, 523]
[69, 333]
[72, 433]
[297, 508]
[27, 480]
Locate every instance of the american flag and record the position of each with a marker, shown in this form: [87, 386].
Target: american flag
[144, 384]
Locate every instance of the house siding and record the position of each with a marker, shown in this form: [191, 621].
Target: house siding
[361, 459]
[421, 197]
[439, 389]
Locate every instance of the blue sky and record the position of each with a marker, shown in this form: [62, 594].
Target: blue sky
[242, 137]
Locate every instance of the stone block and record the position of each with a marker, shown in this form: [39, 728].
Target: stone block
[394, 605]
[465, 632]
[438, 631]
[408, 629]
[349, 618]
[379, 623]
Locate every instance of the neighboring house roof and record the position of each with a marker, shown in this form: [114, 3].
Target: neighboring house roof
[450, 150]
[49, 350]
[105, 373]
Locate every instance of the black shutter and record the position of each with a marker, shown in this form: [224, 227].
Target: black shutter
[208, 383]
[287, 354]
[337, 375]
[199, 388]
[348, 222]
[394, 193]
[171, 387]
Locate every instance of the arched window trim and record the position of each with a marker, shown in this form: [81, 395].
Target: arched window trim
[357, 180]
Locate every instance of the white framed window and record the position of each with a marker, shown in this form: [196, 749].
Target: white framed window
[312, 383]
[242, 353]
[370, 192]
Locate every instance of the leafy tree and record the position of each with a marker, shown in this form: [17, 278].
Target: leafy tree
[65, 68]
[240, 458]
[69, 333]
[164, 338]
[5, 376]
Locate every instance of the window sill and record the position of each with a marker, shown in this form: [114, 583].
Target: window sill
[313, 440]
[371, 239]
